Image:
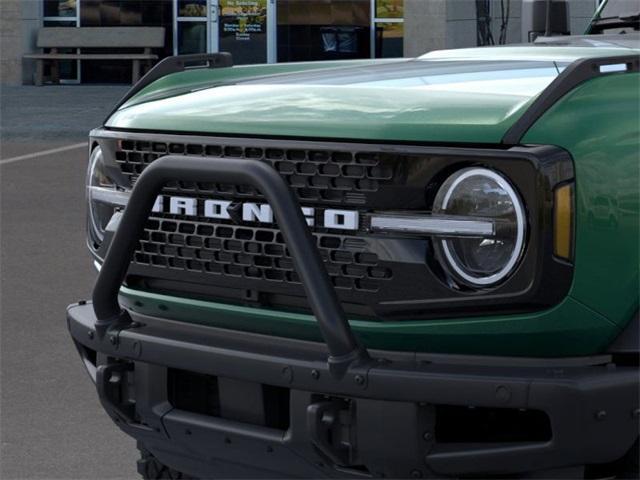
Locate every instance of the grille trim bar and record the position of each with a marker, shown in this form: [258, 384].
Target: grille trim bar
[450, 226]
[344, 349]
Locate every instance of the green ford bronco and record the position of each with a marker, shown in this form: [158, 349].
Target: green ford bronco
[404, 268]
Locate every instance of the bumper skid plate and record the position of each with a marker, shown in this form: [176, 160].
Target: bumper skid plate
[381, 418]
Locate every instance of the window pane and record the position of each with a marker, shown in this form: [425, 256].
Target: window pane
[123, 13]
[192, 37]
[390, 8]
[60, 8]
[243, 30]
[323, 30]
[389, 40]
[59, 23]
[192, 8]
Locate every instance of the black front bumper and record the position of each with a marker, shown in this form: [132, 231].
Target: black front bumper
[381, 418]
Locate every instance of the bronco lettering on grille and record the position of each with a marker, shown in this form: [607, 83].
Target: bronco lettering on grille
[251, 212]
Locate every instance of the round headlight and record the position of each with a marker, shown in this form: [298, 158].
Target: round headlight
[103, 195]
[481, 193]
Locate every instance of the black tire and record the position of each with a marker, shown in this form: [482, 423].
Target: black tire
[151, 469]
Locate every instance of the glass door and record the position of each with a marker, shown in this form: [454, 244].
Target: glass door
[387, 31]
[246, 30]
[191, 27]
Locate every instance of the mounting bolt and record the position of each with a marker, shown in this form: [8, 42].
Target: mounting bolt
[315, 374]
[112, 339]
[416, 474]
[359, 379]
[269, 449]
[427, 436]
[287, 374]
[90, 334]
[503, 394]
[187, 431]
[82, 302]
[601, 415]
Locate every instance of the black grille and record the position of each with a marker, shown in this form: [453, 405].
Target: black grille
[314, 175]
[254, 253]
[221, 248]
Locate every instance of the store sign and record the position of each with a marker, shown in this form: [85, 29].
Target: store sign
[243, 18]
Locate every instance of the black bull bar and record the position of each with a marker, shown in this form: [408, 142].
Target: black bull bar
[344, 349]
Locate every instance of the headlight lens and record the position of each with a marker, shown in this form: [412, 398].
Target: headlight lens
[104, 195]
[485, 260]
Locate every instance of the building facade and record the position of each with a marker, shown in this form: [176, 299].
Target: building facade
[263, 31]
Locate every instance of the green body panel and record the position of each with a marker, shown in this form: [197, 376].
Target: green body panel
[178, 83]
[268, 104]
[569, 329]
[597, 123]
[330, 111]
[298, 111]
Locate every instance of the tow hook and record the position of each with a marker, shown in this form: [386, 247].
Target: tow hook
[330, 424]
[110, 382]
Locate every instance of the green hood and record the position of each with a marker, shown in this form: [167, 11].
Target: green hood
[470, 96]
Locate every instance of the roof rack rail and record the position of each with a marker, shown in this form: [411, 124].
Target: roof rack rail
[576, 73]
[175, 64]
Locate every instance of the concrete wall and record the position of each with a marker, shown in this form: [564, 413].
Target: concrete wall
[581, 12]
[19, 23]
[425, 26]
[436, 24]
[10, 41]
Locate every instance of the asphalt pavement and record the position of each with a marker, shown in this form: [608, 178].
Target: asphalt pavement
[51, 423]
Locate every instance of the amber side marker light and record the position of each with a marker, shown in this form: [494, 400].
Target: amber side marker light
[563, 222]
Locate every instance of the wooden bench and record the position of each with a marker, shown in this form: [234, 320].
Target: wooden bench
[55, 38]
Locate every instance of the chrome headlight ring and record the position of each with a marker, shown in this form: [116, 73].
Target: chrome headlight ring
[485, 260]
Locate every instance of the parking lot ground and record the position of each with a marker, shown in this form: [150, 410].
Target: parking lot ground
[51, 423]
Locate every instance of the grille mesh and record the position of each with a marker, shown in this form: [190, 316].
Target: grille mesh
[221, 248]
[255, 253]
[314, 175]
